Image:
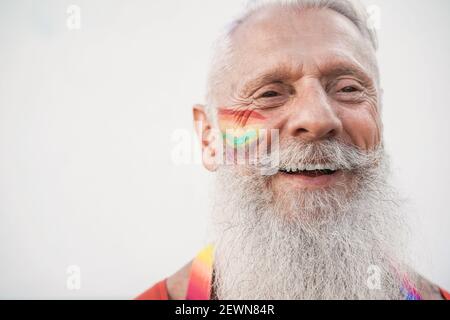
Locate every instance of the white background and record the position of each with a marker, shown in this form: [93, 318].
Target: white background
[87, 119]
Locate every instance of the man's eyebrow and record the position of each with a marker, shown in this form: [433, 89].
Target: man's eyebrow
[347, 71]
[279, 73]
[334, 68]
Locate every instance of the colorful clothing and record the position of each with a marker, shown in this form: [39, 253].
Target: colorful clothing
[201, 275]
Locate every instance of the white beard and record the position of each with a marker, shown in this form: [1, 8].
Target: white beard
[311, 244]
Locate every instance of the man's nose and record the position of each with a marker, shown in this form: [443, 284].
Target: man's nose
[312, 117]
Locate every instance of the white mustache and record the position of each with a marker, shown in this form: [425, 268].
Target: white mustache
[332, 154]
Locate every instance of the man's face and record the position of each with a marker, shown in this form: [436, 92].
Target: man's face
[311, 76]
[308, 74]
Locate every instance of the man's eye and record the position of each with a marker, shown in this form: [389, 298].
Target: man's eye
[269, 94]
[348, 89]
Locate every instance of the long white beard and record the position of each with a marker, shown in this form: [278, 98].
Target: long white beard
[333, 243]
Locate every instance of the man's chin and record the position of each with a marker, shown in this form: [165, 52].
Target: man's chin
[297, 199]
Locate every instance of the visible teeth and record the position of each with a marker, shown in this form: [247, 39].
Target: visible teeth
[321, 167]
[311, 167]
[333, 168]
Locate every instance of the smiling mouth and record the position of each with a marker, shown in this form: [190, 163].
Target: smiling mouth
[310, 170]
[310, 173]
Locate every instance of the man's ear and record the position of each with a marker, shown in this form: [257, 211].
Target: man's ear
[205, 133]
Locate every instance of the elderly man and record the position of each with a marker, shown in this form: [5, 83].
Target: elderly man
[302, 77]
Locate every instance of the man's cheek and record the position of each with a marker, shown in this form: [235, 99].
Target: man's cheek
[363, 128]
[241, 132]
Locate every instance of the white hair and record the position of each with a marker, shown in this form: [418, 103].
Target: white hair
[223, 46]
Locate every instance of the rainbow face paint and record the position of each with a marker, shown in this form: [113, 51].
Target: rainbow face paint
[246, 140]
[236, 139]
[241, 118]
[240, 128]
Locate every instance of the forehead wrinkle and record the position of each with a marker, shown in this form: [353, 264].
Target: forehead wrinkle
[259, 19]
